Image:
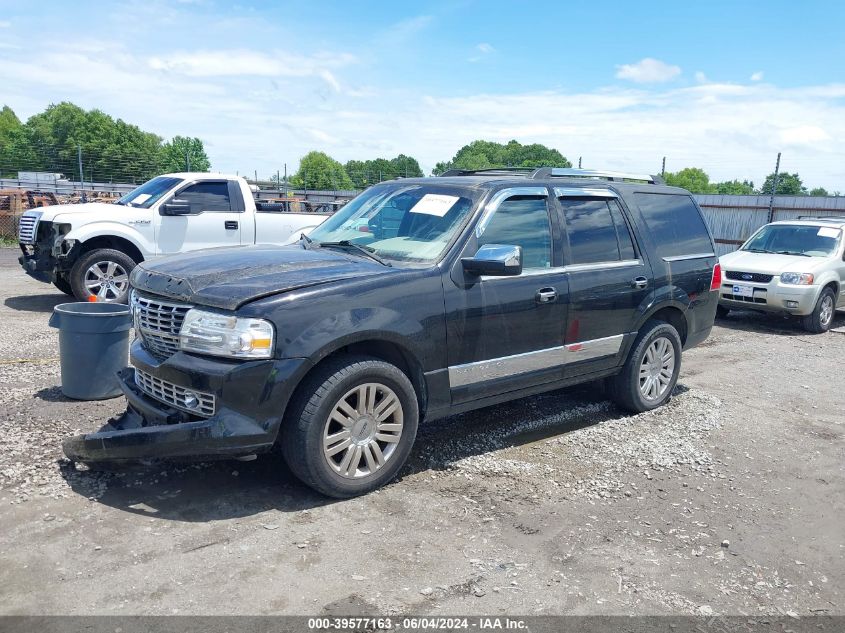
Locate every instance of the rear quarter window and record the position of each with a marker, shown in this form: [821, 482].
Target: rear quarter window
[675, 224]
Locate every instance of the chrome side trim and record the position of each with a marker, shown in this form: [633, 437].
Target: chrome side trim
[561, 192]
[505, 366]
[499, 197]
[680, 258]
[625, 263]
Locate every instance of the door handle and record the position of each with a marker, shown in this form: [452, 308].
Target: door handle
[639, 283]
[231, 224]
[546, 295]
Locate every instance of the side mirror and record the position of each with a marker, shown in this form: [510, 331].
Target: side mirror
[495, 259]
[176, 207]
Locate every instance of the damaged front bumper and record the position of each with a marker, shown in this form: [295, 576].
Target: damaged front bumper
[250, 402]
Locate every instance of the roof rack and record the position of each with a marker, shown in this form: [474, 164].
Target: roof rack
[557, 172]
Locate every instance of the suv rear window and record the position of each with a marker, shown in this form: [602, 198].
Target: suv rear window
[675, 223]
[597, 231]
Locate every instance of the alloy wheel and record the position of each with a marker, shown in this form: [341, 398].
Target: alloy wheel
[657, 368]
[107, 280]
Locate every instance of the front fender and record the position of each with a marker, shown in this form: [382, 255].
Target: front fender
[93, 230]
[336, 331]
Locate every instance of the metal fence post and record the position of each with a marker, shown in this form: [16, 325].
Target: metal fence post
[81, 173]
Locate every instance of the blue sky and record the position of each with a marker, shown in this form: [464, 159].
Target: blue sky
[721, 85]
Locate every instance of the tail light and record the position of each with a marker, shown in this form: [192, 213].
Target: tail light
[716, 280]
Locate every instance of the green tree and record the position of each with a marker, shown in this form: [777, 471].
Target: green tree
[735, 187]
[318, 170]
[184, 153]
[487, 154]
[368, 172]
[788, 185]
[819, 191]
[693, 179]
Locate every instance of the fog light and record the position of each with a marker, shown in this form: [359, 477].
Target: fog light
[791, 304]
[191, 400]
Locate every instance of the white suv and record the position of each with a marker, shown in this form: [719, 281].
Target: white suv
[793, 267]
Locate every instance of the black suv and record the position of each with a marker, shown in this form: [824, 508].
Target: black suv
[420, 298]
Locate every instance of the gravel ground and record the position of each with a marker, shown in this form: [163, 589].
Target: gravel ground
[727, 501]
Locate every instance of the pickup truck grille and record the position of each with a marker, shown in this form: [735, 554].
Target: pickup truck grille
[26, 228]
[158, 324]
[759, 278]
[178, 397]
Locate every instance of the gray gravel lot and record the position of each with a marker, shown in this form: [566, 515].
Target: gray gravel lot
[728, 501]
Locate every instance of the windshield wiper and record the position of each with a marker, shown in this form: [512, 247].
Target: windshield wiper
[366, 251]
[793, 253]
[756, 250]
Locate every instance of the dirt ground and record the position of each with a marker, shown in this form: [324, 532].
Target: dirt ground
[730, 500]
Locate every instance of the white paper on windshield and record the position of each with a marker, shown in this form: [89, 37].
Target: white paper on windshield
[826, 231]
[141, 198]
[434, 204]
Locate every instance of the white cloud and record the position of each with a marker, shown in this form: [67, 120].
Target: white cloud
[5, 24]
[485, 48]
[648, 70]
[758, 76]
[804, 135]
[221, 63]
[700, 77]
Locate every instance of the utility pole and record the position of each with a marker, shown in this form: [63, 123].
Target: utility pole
[81, 174]
[256, 177]
[774, 189]
[286, 180]
[187, 161]
[278, 182]
[579, 162]
[663, 168]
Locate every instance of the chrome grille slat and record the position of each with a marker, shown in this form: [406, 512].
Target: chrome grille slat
[174, 395]
[158, 324]
[759, 278]
[26, 229]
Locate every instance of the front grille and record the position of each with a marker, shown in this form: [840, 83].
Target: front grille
[194, 402]
[26, 229]
[158, 323]
[759, 278]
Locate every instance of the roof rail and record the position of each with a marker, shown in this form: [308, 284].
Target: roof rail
[492, 171]
[537, 173]
[599, 174]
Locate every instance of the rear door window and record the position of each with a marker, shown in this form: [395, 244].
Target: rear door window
[675, 224]
[595, 236]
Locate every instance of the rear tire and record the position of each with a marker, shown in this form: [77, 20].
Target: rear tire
[722, 312]
[651, 371]
[351, 426]
[821, 318]
[104, 273]
[64, 285]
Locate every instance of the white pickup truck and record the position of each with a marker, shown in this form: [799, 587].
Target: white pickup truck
[89, 249]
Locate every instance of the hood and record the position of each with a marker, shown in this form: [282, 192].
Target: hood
[100, 208]
[770, 263]
[230, 277]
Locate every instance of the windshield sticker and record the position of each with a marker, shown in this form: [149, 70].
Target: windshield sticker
[826, 231]
[435, 204]
[141, 198]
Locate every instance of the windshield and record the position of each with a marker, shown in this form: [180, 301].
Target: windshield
[401, 221]
[147, 194]
[795, 239]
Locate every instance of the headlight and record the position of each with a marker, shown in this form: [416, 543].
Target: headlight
[797, 279]
[224, 335]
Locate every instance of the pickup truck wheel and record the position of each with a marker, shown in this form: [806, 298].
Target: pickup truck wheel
[651, 371]
[64, 285]
[821, 318]
[103, 273]
[351, 426]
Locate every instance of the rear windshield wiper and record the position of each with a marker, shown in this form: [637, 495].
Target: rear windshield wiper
[366, 251]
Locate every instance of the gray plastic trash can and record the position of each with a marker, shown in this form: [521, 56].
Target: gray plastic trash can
[93, 347]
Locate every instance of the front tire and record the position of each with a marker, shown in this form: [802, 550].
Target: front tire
[64, 285]
[821, 318]
[351, 426]
[722, 312]
[651, 371]
[103, 273]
